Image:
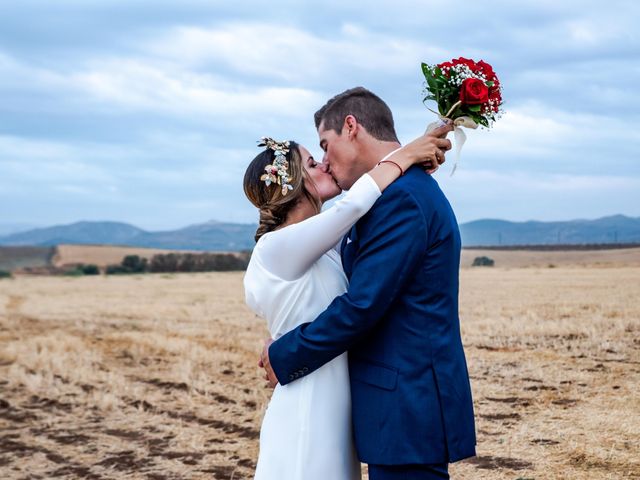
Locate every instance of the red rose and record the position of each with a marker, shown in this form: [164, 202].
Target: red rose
[465, 61]
[445, 65]
[487, 70]
[495, 95]
[459, 61]
[474, 92]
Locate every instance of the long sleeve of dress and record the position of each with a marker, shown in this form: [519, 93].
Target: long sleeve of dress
[289, 252]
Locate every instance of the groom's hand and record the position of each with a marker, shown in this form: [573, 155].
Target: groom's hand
[264, 362]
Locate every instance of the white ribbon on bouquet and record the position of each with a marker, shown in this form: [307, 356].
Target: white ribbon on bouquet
[458, 134]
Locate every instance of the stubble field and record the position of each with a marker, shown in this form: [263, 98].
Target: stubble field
[155, 376]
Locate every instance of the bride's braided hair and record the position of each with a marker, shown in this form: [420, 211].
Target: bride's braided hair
[273, 205]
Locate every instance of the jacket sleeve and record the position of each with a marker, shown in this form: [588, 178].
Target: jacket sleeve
[392, 242]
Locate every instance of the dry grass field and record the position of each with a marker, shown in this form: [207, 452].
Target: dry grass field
[623, 257]
[155, 377]
[101, 255]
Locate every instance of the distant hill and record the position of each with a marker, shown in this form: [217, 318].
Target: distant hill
[79, 232]
[209, 236]
[220, 236]
[614, 229]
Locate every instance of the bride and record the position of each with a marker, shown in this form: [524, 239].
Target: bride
[294, 273]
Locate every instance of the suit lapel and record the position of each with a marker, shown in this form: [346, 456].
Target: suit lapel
[348, 250]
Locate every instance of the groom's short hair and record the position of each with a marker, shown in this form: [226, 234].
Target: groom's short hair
[369, 109]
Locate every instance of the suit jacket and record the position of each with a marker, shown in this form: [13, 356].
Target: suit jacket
[411, 397]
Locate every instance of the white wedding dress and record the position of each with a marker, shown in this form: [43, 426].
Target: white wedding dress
[293, 275]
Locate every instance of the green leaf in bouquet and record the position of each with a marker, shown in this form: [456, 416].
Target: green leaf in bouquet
[474, 108]
[445, 106]
[465, 112]
[451, 94]
[441, 81]
[489, 84]
[433, 85]
[427, 71]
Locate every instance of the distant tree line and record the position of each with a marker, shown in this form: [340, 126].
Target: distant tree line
[129, 264]
[181, 262]
[82, 269]
[198, 262]
[159, 263]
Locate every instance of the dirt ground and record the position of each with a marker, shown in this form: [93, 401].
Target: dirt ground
[155, 376]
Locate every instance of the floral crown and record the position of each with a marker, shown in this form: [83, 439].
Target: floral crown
[277, 171]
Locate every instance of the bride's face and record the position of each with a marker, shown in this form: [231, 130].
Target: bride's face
[323, 187]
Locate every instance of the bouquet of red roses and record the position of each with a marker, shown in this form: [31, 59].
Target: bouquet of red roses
[466, 92]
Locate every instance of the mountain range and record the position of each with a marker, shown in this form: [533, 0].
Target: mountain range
[209, 236]
[221, 236]
[613, 229]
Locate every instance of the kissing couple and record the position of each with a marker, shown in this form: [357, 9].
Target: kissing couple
[361, 301]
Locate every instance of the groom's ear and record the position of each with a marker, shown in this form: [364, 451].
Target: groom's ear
[350, 126]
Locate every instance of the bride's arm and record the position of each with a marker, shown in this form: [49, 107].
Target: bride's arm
[289, 252]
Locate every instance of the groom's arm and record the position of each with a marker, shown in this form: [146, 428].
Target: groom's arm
[393, 239]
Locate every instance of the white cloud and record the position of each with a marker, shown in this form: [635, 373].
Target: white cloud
[168, 109]
[140, 86]
[276, 51]
[144, 85]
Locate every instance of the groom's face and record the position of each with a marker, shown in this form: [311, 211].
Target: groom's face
[340, 154]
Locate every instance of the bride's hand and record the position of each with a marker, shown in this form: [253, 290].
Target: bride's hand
[427, 150]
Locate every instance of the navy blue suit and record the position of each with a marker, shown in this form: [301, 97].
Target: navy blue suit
[411, 397]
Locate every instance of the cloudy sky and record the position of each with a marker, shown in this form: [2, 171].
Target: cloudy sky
[148, 112]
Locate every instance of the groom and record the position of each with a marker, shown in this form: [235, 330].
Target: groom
[411, 398]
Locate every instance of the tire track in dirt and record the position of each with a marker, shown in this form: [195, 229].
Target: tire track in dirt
[141, 448]
[12, 447]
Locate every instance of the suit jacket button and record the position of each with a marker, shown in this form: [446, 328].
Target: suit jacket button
[291, 377]
[305, 369]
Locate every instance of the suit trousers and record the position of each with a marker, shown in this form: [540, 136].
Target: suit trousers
[438, 471]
